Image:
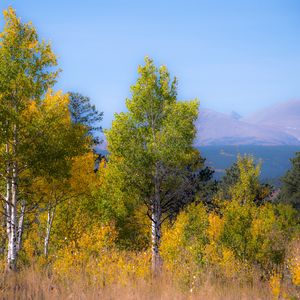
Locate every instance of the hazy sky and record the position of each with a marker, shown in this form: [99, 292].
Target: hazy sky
[232, 55]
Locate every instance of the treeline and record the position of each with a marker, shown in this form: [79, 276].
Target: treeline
[151, 207]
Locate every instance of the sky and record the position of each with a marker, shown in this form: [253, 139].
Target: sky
[232, 55]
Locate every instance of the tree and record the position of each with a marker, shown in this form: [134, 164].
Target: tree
[241, 181]
[290, 190]
[26, 72]
[65, 196]
[84, 113]
[195, 184]
[52, 154]
[151, 143]
[76, 212]
[229, 179]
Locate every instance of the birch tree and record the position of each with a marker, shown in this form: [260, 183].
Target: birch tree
[71, 203]
[55, 143]
[151, 143]
[26, 72]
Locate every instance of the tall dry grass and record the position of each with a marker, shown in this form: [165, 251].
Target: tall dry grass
[35, 284]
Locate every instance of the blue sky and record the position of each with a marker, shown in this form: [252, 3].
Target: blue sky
[232, 55]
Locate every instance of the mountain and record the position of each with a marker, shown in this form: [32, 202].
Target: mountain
[277, 125]
[235, 115]
[274, 126]
[284, 117]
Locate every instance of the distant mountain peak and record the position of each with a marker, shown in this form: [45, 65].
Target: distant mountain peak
[284, 117]
[234, 115]
[276, 125]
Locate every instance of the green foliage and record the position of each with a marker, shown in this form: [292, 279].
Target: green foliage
[51, 140]
[258, 234]
[86, 114]
[238, 240]
[196, 184]
[150, 149]
[290, 190]
[26, 73]
[248, 183]
[154, 137]
[229, 179]
[244, 238]
[26, 68]
[241, 182]
[187, 237]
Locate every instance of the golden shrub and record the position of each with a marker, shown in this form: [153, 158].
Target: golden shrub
[294, 262]
[275, 284]
[96, 257]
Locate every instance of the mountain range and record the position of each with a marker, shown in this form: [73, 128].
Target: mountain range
[275, 125]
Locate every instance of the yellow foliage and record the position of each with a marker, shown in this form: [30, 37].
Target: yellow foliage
[295, 271]
[76, 254]
[275, 284]
[245, 189]
[215, 227]
[83, 178]
[57, 102]
[294, 262]
[32, 245]
[228, 263]
[183, 244]
[96, 256]
[173, 240]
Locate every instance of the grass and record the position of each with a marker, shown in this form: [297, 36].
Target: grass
[34, 284]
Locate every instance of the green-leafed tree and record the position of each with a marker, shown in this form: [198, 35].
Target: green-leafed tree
[84, 113]
[26, 72]
[229, 179]
[244, 175]
[37, 137]
[290, 190]
[196, 185]
[54, 143]
[151, 143]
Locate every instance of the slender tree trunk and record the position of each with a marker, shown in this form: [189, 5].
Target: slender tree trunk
[156, 237]
[3, 236]
[50, 217]
[13, 233]
[156, 229]
[21, 226]
[8, 205]
[8, 220]
[12, 260]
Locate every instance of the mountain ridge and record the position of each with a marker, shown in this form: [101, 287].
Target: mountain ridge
[272, 126]
[277, 125]
[282, 116]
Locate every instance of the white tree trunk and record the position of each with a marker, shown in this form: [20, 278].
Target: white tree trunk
[156, 237]
[13, 218]
[20, 226]
[8, 206]
[50, 217]
[12, 238]
[156, 229]
[8, 219]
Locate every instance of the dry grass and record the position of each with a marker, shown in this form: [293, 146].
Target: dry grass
[32, 284]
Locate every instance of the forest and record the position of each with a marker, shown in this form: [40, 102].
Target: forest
[147, 220]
